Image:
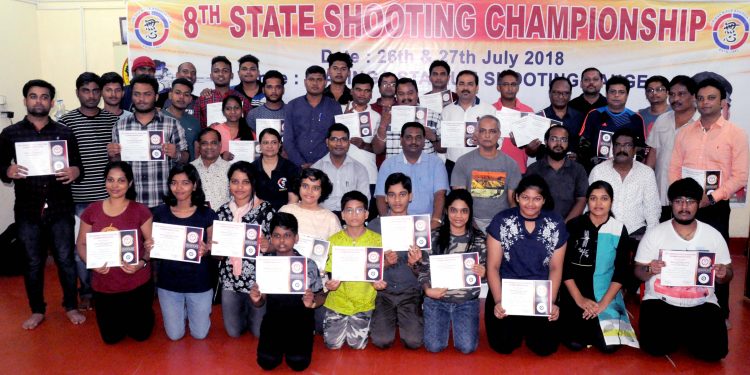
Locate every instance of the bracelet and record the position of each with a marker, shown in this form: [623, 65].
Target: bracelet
[381, 139]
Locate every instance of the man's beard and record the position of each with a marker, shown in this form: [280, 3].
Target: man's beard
[557, 156]
[685, 222]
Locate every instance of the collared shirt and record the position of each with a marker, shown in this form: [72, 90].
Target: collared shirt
[508, 147]
[214, 181]
[572, 121]
[393, 138]
[366, 158]
[724, 148]
[636, 198]
[274, 188]
[305, 128]
[345, 98]
[263, 112]
[34, 192]
[150, 177]
[216, 97]
[454, 112]
[351, 297]
[93, 134]
[567, 184]
[257, 100]
[602, 119]
[346, 178]
[661, 140]
[192, 128]
[582, 105]
[428, 176]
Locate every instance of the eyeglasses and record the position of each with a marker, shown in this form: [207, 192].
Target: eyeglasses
[658, 89]
[388, 84]
[338, 139]
[626, 146]
[358, 211]
[558, 139]
[684, 201]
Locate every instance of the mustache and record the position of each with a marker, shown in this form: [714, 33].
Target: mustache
[622, 153]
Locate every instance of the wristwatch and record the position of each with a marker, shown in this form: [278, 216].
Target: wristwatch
[711, 199]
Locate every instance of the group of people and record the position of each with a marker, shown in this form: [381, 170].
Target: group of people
[588, 208]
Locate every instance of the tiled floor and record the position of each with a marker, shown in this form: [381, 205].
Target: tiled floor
[57, 347]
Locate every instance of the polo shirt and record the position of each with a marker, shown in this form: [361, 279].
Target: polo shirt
[274, 189]
[581, 105]
[566, 184]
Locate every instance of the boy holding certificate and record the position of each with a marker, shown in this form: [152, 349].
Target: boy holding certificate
[350, 303]
[287, 327]
[399, 303]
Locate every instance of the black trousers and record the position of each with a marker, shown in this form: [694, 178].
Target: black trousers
[130, 313]
[505, 335]
[701, 329]
[286, 331]
[717, 216]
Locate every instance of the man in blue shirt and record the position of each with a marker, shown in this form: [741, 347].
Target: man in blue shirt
[307, 120]
[427, 172]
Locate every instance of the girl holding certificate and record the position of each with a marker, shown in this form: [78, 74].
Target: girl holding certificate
[185, 288]
[235, 128]
[123, 295]
[274, 174]
[526, 242]
[237, 275]
[458, 308]
[592, 310]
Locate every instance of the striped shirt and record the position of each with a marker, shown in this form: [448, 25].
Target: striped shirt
[93, 135]
[150, 177]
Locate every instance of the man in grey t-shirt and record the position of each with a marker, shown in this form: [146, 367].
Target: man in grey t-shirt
[490, 175]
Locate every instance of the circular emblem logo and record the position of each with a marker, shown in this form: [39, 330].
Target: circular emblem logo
[191, 254]
[156, 154]
[421, 242]
[297, 285]
[469, 142]
[541, 291]
[364, 119]
[155, 139]
[127, 240]
[604, 150]
[151, 27]
[420, 115]
[250, 251]
[420, 225]
[703, 278]
[471, 279]
[712, 179]
[541, 308]
[373, 274]
[730, 30]
[257, 148]
[446, 97]
[469, 262]
[319, 249]
[297, 267]
[58, 165]
[365, 132]
[470, 129]
[192, 237]
[606, 137]
[704, 261]
[373, 256]
[57, 150]
[251, 234]
[128, 257]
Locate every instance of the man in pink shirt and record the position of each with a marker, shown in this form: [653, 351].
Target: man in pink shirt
[508, 83]
[715, 152]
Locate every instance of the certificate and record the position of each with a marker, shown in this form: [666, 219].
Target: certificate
[42, 158]
[709, 180]
[454, 271]
[313, 248]
[437, 101]
[266, 123]
[281, 275]
[176, 242]
[242, 150]
[359, 123]
[604, 145]
[507, 118]
[529, 128]
[526, 297]
[357, 263]
[111, 249]
[214, 114]
[400, 232]
[141, 145]
[457, 133]
[687, 268]
[235, 239]
[400, 115]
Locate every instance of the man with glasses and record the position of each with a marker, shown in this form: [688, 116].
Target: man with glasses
[387, 88]
[490, 175]
[657, 88]
[602, 122]
[560, 110]
[212, 168]
[344, 172]
[567, 179]
[508, 84]
[682, 315]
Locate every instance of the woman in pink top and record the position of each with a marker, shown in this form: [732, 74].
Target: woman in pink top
[235, 128]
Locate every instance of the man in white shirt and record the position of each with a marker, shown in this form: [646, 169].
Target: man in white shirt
[362, 86]
[689, 314]
[212, 169]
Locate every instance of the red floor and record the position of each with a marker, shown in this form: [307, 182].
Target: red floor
[58, 347]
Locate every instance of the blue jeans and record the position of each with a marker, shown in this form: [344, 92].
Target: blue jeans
[439, 316]
[175, 306]
[36, 236]
[240, 314]
[84, 274]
